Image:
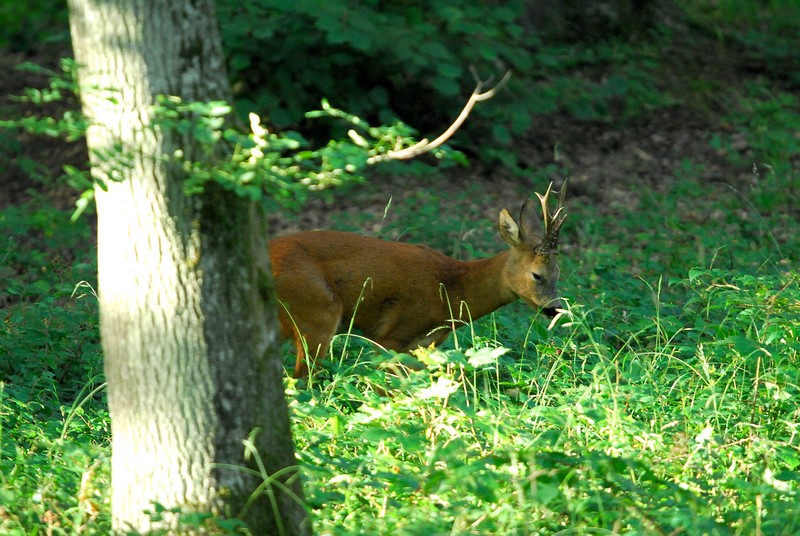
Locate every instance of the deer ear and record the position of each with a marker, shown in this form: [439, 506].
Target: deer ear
[509, 230]
[529, 222]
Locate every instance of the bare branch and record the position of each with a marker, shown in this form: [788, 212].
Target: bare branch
[424, 146]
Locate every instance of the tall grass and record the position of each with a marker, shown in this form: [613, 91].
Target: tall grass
[685, 424]
[655, 405]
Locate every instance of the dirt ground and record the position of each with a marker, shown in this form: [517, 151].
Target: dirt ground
[609, 165]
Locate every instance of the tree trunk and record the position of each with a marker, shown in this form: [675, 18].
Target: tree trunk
[187, 316]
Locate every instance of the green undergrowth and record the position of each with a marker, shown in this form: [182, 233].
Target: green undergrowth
[685, 421]
[663, 401]
[54, 426]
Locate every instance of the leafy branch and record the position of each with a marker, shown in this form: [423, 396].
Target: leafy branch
[254, 163]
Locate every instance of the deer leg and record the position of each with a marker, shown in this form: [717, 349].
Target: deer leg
[311, 329]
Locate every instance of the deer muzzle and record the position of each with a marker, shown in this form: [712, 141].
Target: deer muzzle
[552, 308]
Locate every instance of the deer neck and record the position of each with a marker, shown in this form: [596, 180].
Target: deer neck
[479, 284]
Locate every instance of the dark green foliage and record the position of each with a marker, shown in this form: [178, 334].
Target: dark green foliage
[410, 60]
[766, 32]
[364, 55]
[26, 25]
[49, 338]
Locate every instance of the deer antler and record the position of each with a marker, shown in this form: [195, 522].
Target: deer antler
[552, 222]
[423, 146]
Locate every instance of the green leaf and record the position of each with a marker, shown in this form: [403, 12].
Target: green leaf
[695, 273]
[484, 356]
[743, 345]
[501, 134]
[445, 85]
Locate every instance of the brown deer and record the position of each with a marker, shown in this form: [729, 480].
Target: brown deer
[398, 294]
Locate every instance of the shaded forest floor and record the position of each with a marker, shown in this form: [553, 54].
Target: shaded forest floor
[609, 164]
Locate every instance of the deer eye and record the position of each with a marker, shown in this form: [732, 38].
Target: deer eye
[536, 277]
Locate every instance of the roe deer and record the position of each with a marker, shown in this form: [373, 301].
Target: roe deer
[398, 294]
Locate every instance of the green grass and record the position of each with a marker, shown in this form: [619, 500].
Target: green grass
[54, 427]
[663, 401]
[679, 421]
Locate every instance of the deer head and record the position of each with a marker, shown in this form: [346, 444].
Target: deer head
[531, 271]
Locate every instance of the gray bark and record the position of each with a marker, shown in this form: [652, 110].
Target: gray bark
[187, 317]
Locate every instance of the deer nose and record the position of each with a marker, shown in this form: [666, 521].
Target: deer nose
[552, 308]
[550, 311]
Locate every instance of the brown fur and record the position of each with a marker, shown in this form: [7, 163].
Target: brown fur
[397, 294]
